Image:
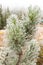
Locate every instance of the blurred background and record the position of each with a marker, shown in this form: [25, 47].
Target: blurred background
[21, 3]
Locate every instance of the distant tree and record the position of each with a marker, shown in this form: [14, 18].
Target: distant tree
[3, 17]
[7, 12]
[6, 15]
[0, 16]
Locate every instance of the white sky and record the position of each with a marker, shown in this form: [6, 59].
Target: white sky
[21, 3]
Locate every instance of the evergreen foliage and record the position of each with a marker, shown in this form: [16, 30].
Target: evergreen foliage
[21, 50]
[32, 20]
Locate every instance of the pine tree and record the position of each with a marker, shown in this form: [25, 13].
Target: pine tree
[21, 50]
